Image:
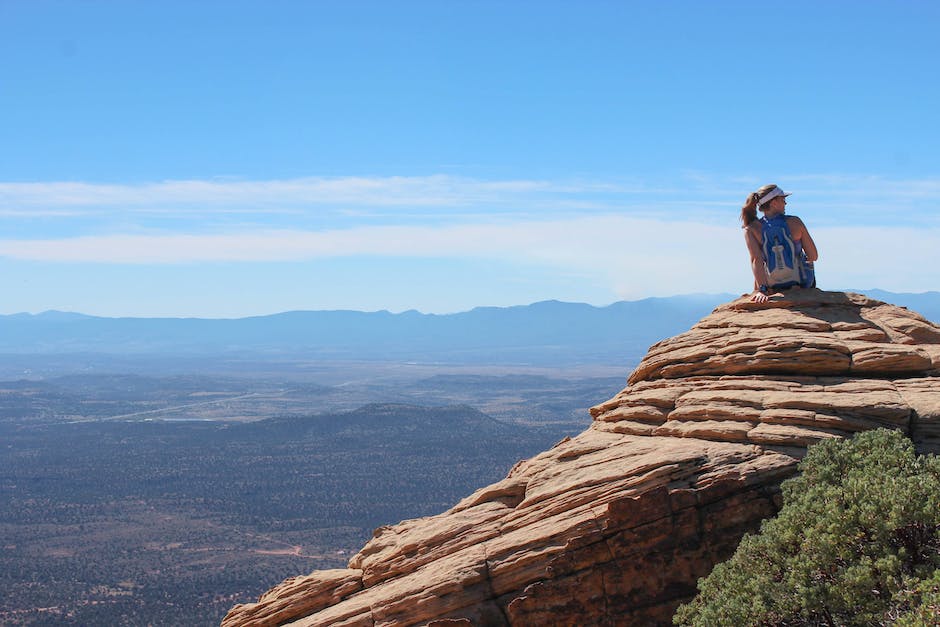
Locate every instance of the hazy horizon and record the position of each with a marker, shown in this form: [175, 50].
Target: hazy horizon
[691, 295]
[392, 311]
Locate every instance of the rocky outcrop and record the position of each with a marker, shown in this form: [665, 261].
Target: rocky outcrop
[614, 526]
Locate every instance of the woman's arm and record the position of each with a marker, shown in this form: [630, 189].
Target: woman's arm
[799, 232]
[752, 237]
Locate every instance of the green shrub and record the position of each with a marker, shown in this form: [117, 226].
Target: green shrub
[857, 542]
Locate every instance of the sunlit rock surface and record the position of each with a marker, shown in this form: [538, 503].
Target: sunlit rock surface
[614, 526]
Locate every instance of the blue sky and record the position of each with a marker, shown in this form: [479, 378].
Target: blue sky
[225, 159]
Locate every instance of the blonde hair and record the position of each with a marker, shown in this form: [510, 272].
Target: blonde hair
[749, 210]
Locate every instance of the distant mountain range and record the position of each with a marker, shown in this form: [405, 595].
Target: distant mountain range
[544, 332]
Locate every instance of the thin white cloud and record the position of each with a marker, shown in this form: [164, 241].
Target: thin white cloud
[564, 241]
[636, 239]
[831, 198]
[395, 191]
[635, 257]
[828, 198]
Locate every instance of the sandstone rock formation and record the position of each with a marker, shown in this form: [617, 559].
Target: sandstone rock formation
[614, 526]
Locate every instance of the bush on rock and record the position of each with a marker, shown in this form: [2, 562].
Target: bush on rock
[857, 542]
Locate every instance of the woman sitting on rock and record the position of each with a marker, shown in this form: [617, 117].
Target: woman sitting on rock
[782, 251]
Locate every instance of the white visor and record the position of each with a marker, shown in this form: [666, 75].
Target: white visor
[776, 191]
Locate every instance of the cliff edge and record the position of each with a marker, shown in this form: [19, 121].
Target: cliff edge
[614, 526]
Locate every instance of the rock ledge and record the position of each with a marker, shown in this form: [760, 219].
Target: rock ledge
[615, 526]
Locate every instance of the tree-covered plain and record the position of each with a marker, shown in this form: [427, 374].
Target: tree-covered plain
[172, 523]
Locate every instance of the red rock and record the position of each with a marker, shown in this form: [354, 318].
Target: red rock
[614, 526]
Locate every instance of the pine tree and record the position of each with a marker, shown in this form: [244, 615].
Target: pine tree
[857, 542]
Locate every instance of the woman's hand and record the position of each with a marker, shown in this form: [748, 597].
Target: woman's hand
[759, 297]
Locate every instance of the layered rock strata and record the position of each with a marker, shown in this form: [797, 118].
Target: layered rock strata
[614, 526]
